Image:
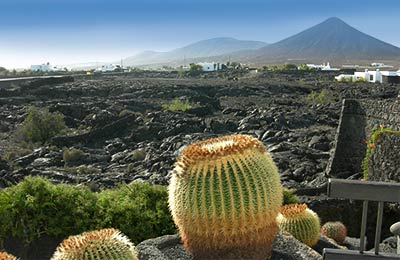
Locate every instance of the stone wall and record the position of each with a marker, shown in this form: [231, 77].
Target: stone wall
[384, 162]
[358, 118]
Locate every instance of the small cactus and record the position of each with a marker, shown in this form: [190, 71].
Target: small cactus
[104, 244]
[301, 222]
[335, 230]
[224, 196]
[6, 256]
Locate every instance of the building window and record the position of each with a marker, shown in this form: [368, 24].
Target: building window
[371, 77]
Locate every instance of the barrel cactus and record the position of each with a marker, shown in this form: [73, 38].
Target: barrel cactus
[335, 230]
[301, 222]
[6, 256]
[101, 244]
[224, 195]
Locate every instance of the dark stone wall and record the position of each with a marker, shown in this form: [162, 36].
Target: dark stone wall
[358, 118]
[384, 162]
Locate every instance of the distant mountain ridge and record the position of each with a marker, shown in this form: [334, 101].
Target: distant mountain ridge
[206, 48]
[333, 39]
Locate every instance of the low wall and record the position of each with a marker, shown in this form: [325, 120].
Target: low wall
[41, 80]
[384, 162]
[358, 118]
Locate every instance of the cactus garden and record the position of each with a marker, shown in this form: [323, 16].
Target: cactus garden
[239, 173]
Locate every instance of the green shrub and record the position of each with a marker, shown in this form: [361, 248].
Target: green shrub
[40, 125]
[72, 155]
[35, 207]
[177, 105]
[360, 80]
[125, 112]
[139, 210]
[289, 197]
[323, 97]
[13, 154]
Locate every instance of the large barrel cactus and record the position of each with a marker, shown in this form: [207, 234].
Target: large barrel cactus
[301, 222]
[224, 196]
[6, 256]
[104, 244]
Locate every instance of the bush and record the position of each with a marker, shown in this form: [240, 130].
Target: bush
[177, 105]
[72, 156]
[289, 197]
[40, 125]
[323, 97]
[139, 210]
[35, 207]
[125, 112]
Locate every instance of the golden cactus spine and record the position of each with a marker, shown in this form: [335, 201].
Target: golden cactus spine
[224, 195]
[301, 222]
[335, 230]
[7, 256]
[104, 244]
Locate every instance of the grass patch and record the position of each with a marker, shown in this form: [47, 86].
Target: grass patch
[177, 105]
[323, 97]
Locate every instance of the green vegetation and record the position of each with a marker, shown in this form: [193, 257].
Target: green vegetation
[195, 67]
[289, 197]
[139, 210]
[304, 67]
[374, 137]
[125, 112]
[35, 207]
[323, 97]
[72, 155]
[13, 154]
[360, 80]
[282, 67]
[177, 105]
[40, 125]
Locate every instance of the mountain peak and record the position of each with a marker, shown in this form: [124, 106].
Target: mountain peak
[332, 39]
[334, 19]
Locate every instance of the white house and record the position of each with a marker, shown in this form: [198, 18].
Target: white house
[372, 76]
[109, 68]
[210, 66]
[322, 67]
[45, 67]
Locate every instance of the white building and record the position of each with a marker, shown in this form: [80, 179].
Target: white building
[45, 68]
[380, 65]
[371, 76]
[322, 67]
[210, 66]
[109, 68]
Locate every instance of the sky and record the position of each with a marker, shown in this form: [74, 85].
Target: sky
[66, 32]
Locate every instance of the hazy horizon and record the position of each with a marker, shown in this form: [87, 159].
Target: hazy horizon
[70, 31]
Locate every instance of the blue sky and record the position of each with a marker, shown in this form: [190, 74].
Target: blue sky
[75, 31]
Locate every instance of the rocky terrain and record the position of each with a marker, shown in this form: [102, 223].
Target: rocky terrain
[125, 131]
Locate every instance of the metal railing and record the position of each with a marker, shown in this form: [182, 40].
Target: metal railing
[366, 191]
